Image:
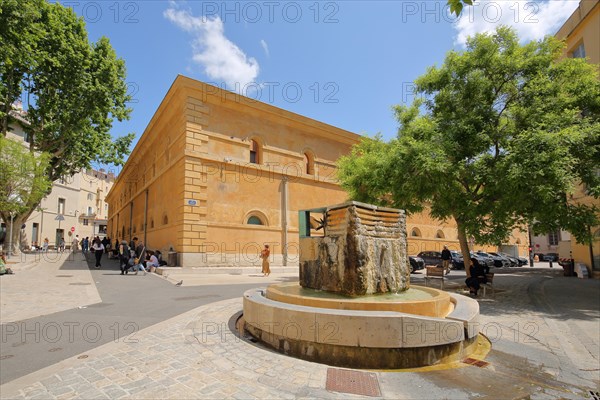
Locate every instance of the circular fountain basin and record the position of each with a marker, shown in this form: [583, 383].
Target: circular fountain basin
[422, 326]
[416, 300]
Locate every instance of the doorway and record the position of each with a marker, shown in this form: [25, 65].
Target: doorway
[60, 233]
[34, 234]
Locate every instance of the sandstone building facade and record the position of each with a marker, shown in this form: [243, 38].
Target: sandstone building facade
[217, 175]
[581, 32]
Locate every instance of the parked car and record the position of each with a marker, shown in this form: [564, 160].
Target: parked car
[483, 258]
[431, 257]
[551, 257]
[540, 256]
[514, 261]
[416, 263]
[457, 260]
[501, 261]
[497, 262]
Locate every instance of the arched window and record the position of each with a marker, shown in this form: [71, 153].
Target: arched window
[255, 217]
[152, 223]
[309, 163]
[415, 232]
[165, 219]
[255, 156]
[518, 241]
[440, 234]
[254, 220]
[90, 196]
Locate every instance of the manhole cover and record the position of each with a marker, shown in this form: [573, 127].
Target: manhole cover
[79, 283]
[475, 362]
[353, 382]
[83, 356]
[55, 349]
[6, 356]
[64, 276]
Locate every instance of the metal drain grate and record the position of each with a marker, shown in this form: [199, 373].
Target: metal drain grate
[595, 395]
[64, 276]
[80, 283]
[352, 382]
[475, 362]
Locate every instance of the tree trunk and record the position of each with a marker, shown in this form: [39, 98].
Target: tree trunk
[464, 246]
[12, 243]
[17, 222]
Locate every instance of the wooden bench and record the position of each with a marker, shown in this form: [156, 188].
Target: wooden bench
[436, 273]
[489, 284]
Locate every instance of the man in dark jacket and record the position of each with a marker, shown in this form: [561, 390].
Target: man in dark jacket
[140, 252]
[446, 257]
[124, 256]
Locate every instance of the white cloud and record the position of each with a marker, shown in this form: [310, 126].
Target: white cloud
[531, 19]
[220, 57]
[265, 46]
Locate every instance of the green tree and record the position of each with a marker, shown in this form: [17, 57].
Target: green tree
[500, 135]
[23, 181]
[74, 89]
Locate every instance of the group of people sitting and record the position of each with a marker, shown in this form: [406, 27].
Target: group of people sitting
[134, 257]
[4, 269]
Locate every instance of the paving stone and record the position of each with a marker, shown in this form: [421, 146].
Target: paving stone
[58, 390]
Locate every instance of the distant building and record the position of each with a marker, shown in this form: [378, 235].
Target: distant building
[76, 205]
[581, 33]
[217, 175]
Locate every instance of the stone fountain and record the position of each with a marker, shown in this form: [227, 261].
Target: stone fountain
[353, 305]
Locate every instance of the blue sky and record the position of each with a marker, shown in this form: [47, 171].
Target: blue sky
[344, 63]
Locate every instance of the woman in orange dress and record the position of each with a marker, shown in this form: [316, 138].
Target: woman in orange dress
[264, 254]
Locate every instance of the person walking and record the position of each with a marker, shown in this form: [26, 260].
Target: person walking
[124, 255]
[98, 249]
[75, 244]
[85, 244]
[446, 256]
[140, 252]
[264, 254]
[45, 245]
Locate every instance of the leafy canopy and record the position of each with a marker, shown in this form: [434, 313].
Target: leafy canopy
[456, 6]
[501, 134]
[73, 91]
[22, 178]
[74, 88]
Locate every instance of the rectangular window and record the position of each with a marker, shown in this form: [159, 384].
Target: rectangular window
[90, 211]
[553, 238]
[579, 51]
[61, 206]
[85, 222]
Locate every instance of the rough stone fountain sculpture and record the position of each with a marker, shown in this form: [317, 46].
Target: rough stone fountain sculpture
[353, 305]
[362, 252]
